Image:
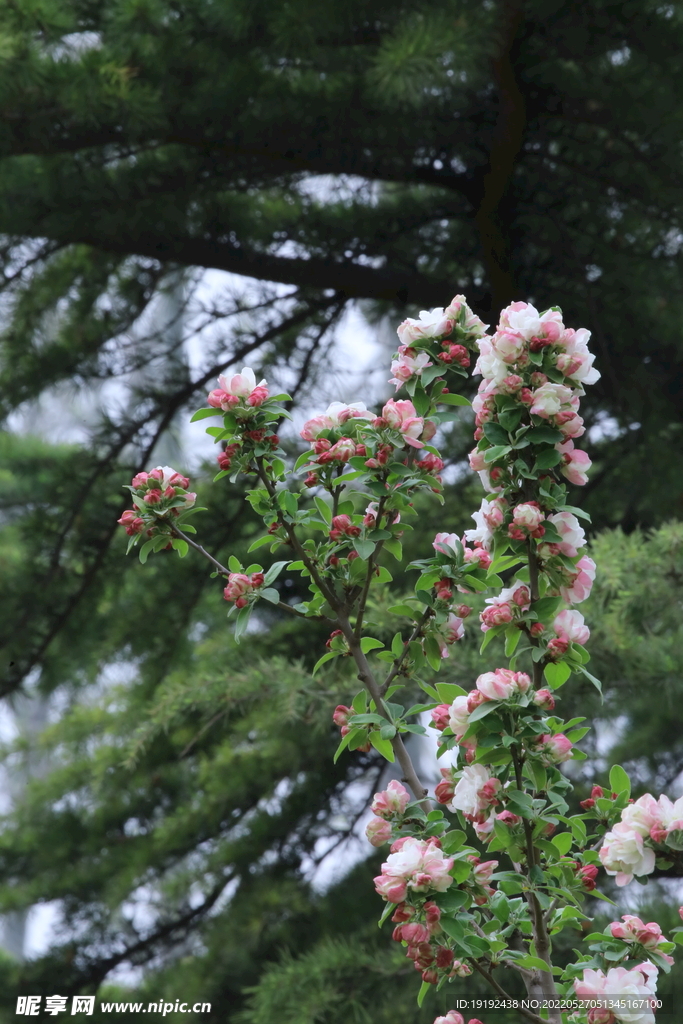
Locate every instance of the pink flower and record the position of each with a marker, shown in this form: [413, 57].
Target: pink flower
[487, 519]
[553, 749]
[418, 866]
[452, 1017]
[343, 526]
[550, 399]
[642, 815]
[440, 716]
[336, 415]
[571, 533]
[131, 522]
[670, 822]
[580, 584]
[459, 716]
[434, 324]
[638, 983]
[402, 416]
[341, 715]
[623, 854]
[476, 791]
[240, 386]
[139, 480]
[240, 585]
[528, 516]
[502, 684]
[448, 633]
[392, 800]
[510, 347]
[378, 831]
[477, 461]
[576, 362]
[588, 874]
[569, 625]
[342, 451]
[544, 699]
[447, 544]
[634, 930]
[575, 463]
[409, 364]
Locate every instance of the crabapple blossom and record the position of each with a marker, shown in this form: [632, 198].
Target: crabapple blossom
[409, 364]
[403, 417]
[452, 1017]
[572, 536]
[575, 463]
[576, 362]
[392, 800]
[619, 983]
[240, 585]
[487, 519]
[241, 386]
[634, 930]
[670, 821]
[343, 526]
[580, 583]
[588, 874]
[131, 522]
[447, 544]
[642, 815]
[431, 324]
[336, 415]
[553, 748]
[466, 320]
[570, 625]
[551, 399]
[544, 699]
[476, 791]
[459, 716]
[448, 633]
[527, 516]
[440, 716]
[417, 866]
[501, 684]
[378, 831]
[624, 854]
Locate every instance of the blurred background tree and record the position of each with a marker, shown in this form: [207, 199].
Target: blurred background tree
[337, 164]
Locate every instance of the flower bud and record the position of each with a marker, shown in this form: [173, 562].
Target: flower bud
[544, 700]
[441, 716]
[378, 831]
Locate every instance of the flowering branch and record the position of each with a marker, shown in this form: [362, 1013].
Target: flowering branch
[501, 746]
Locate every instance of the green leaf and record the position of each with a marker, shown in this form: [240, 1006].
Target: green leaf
[424, 989]
[274, 571]
[395, 548]
[269, 594]
[596, 682]
[451, 399]
[432, 653]
[321, 661]
[494, 433]
[202, 414]
[354, 736]
[544, 435]
[369, 643]
[145, 550]
[382, 746]
[259, 543]
[365, 548]
[242, 622]
[234, 565]
[482, 711]
[619, 781]
[512, 638]
[546, 607]
[563, 842]
[489, 635]
[547, 458]
[324, 510]
[557, 673]
[447, 692]
[493, 454]
[532, 962]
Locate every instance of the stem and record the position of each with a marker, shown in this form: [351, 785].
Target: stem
[202, 551]
[366, 676]
[529, 1014]
[541, 984]
[534, 594]
[396, 667]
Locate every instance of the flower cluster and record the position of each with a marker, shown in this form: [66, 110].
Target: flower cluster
[159, 496]
[414, 865]
[619, 983]
[627, 849]
[240, 585]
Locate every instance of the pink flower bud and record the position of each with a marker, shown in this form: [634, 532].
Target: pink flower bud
[258, 396]
[444, 791]
[544, 700]
[153, 497]
[553, 749]
[536, 628]
[131, 522]
[508, 818]
[474, 699]
[441, 716]
[403, 912]
[342, 714]
[588, 875]
[393, 800]
[378, 831]
[139, 480]
[342, 526]
[433, 915]
[557, 648]
[414, 934]
[460, 970]
[444, 957]
[452, 1017]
